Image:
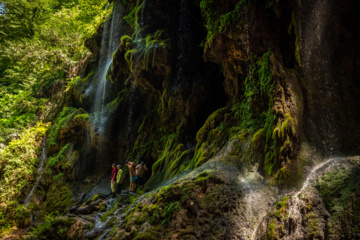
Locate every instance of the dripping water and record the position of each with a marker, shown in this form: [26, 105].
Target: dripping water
[40, 172]
[258, 197]
[294, 211]
[109, 42]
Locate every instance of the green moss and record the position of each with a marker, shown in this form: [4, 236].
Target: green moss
[59, 157]
[312, 228]
[284, 174]
[211, 122]
[297, 46]
[113, 105]
[87, 79]
[81, 117]
[52, 228]
[133, 16]
[281, 207]
[152, 233]
[139, 219]
[95, 197]
[269, 163]
[339, 189]
[219, 19]
[65, 116]
[270, 233]
[21, 216]
[126, 41]
[129, 58]
[201, 155]
[150, 45]
[154, 215]
[168, 164]
[110, 212]
[102, 207]
[58, 199]
[288, 126]
[110, 222]
[168, 212]
[132, 198]
[146, 49]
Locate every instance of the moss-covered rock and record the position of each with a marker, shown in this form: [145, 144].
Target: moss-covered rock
[178, 210]
[58, 199]
[339, 189]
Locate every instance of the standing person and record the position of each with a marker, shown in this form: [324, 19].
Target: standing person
[118, 179]
[131, 167]
[140, 170]
[113, 179]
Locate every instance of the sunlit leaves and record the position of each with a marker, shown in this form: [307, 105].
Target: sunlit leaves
[18, 163]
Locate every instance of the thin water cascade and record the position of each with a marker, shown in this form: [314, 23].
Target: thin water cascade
[294, 212]
[40, 172]
[100, 228]
[109, 42]
[258, 197]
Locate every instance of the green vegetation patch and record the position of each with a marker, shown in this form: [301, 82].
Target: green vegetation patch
[65, 116]
[58, 199]
[221, 16]
[340, 191]
[52, 228]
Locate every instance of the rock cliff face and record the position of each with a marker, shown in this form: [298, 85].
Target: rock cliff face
[230, 103]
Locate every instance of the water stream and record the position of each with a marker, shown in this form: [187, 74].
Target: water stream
[109, 43]
[294, 210]
[258, 197]
[40, 172]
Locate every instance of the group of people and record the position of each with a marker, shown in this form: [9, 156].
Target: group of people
[136, 176]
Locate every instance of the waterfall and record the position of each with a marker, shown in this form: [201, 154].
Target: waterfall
[258, 197]
[40, 172]
[109, 42]
[294, 210]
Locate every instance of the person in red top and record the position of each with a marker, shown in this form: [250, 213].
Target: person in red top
[113, 179]
[131, 167]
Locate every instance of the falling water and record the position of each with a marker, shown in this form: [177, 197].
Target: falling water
[294, 211]
[258, 196]
[109, 42]
[183, 30]
[315, 28]
[40, 172]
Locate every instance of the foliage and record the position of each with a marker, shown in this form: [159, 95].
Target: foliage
[18, 162]
[146, 48]
[19, 19]
[65, 116]
[340, 191]
[52, 228]
[132, 18]
[220, 17]
[255, 108]
[42, 45]
[58, 198]
[60, 156]
[169, 210]
[18, 110]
